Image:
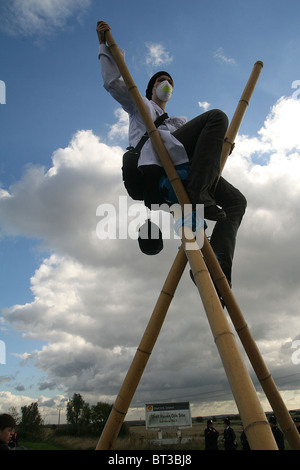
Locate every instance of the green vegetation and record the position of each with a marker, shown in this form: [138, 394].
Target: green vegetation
[43, 445]
[137, 438]
[85, 424]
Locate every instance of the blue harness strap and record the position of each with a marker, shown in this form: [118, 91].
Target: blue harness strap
[192, 220]
[165, 187]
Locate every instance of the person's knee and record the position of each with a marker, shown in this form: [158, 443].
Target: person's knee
[237, 204]
[219, 115]
[241, 203]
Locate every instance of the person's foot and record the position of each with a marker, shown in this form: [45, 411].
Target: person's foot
[214, 213]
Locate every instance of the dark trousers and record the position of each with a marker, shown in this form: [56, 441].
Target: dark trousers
[223, 238]
[203, 139]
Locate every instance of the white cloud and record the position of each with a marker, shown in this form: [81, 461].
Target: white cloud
[221, 57]
[204, 104]
[119, 130]
[92, 299]
[59, 205]
[38, 17]
[281, 131]
[157, 55]
[47, 408]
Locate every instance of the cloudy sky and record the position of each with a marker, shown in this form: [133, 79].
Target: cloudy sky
[74, 306]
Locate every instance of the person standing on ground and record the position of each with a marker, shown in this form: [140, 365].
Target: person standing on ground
[277, 433]
[229, 438]
[211, 436]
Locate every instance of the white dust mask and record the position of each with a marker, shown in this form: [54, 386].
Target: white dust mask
[164, 91]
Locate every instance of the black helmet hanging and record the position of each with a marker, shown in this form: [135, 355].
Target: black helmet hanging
[150, 238]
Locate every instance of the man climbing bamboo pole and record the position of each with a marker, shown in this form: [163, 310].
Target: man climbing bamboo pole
[196, 150]
[258, 431]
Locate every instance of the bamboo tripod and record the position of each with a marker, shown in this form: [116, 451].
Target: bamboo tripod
[206, 275]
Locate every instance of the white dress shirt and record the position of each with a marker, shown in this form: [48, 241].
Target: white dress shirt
[115, 85]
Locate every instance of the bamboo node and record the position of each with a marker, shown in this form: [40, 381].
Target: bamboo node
[174, 179]
[227, 141]
[119, 411]
[241, 328]
[145, 352]
[265, 378]
[289, 428]
[151, 132]
[219, 278]
[244, 101]
[167, 293]
[250, 425]
[199, 272]
[222, 334]
[131, 87]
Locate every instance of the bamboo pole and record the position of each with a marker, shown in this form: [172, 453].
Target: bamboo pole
[142, 355]
[264, 376]
[240, 111]
[257, 429]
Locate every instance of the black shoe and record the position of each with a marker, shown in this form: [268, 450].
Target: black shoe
[214, 213]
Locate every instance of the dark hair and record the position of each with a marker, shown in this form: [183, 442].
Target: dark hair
[6, 421]
[153, 80]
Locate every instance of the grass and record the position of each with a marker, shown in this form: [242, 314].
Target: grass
[139, 438]
[43, 445]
